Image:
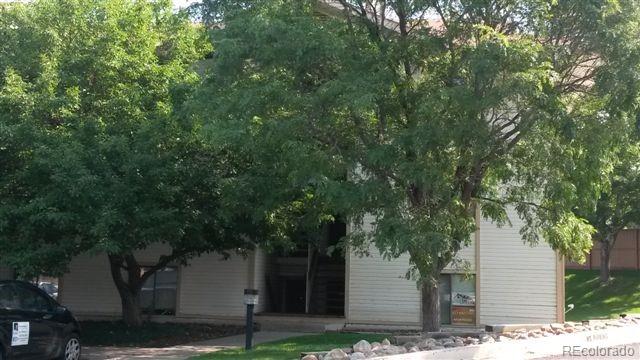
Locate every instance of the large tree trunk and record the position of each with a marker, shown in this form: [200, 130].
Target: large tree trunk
[131, 312]
[129, 290]
[430, 306]
[605, 258]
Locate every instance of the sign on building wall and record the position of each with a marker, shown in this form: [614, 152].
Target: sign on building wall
[463, 315]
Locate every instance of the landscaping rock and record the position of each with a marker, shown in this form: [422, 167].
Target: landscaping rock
[357, 356]
[414, 349]
[385, 342]
[362, 346]
[487, 339]
[336, 354]
[427, 344]
[409, 345]
[522, 336]
[310, 357]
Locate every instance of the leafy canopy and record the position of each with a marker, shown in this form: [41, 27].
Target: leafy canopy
[98, 153]
[410, 115]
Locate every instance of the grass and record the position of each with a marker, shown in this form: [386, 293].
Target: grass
[593, 300]
[291, 348]
[117, 333]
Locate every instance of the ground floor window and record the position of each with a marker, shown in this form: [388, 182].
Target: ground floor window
[457, 299]
[159, 293]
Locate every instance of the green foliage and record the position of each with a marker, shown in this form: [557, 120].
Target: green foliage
[97, 152]
[406, 125]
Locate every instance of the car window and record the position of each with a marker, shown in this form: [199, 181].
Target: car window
[8, 298]
[32, 300]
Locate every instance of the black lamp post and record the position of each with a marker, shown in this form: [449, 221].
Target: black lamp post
[250, 299]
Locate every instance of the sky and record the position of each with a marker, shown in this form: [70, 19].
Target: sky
[182, 3]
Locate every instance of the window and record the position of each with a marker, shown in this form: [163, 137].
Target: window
[15, 297]
[457, 299]
[8, 298]
[159, 292]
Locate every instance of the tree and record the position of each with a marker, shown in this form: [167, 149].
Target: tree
[420, 113]
[616, 208]
[98, 152]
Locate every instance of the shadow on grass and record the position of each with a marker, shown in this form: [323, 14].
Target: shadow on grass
[595, 300]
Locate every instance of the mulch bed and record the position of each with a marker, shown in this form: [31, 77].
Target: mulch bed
[152, 335]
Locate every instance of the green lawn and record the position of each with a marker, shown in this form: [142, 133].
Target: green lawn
[291, 348]
[592, 300]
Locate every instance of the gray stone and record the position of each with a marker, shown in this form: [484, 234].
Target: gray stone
[336, 354]
[471, 341]
[409, 345]
[362, 346]
[487, 339]
[357, 356]
[310, 357]
[392, 350]
[375, 346]
[427, 344]
[414, 349]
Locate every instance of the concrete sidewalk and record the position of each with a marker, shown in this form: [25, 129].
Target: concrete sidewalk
[181, 352]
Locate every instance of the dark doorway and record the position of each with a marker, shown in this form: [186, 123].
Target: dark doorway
[310, 279]
[293, 295]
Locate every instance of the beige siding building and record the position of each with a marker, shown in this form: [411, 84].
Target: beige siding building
[506, 281]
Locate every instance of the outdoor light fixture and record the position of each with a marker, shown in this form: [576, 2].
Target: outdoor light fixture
[250, 299]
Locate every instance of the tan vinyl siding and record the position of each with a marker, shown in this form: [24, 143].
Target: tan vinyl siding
[209, 286]
[213, 287]
[379, 293]
[88, 288]
[518, 281]
[465, 257]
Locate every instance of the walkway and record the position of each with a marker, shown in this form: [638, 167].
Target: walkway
[181, 352]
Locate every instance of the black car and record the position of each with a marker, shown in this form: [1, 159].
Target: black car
[34, 326]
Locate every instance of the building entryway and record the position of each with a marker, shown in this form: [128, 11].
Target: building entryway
[310, 279]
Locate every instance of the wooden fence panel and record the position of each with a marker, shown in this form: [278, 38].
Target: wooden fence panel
[625, 253]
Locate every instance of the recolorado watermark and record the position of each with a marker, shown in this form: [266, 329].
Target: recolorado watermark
[621, 351]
